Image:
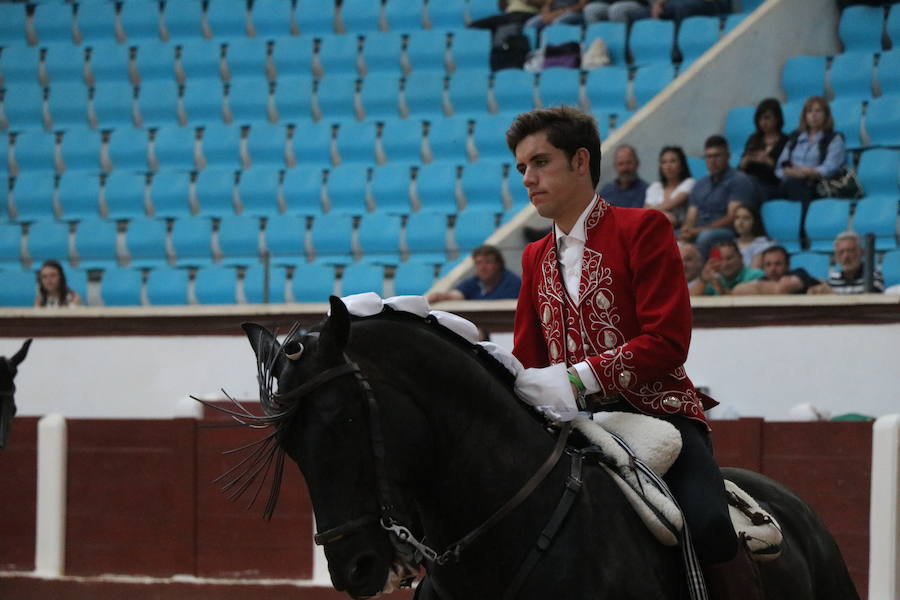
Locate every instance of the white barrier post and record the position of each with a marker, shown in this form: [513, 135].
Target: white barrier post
[50, 546]
[884, 526]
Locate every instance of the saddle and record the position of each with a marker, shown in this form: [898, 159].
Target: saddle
[629, 441]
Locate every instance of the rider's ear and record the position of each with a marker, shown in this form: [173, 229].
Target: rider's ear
[264, 344]
[335, 332]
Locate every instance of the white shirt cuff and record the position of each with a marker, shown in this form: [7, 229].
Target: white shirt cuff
[591, 385]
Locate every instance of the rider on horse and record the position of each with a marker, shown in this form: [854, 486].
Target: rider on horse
[604, 294]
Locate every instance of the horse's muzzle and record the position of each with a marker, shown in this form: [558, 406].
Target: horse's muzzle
[362, 574]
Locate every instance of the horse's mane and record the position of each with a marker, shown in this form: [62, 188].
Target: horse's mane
[261, 455]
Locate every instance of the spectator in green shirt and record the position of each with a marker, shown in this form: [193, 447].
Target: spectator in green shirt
[723, 270]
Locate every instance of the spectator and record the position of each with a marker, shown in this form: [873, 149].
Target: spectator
[670, 193]
[513, 12]
[846, 277]
[677, 10]
[627, 190]
[764, 146]
[53, 291]
[692, 261]
[492, 280]
[723, 271]
[813, 152]
[750, 235]
[714, 199]
[558, 11]
[779, 278]
[620, 11]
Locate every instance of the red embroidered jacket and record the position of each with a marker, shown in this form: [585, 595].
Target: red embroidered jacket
[633, 319]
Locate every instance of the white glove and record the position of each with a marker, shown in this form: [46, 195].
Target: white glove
[549, 391]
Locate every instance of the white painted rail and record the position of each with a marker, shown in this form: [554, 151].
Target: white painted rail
[884, 525]
[50, 546]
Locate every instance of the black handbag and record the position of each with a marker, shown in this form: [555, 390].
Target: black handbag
[843, 185]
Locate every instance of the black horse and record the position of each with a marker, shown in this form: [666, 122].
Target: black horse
[8, 369]
[399, 424]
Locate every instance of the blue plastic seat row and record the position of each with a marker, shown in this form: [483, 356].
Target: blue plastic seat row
[852, 75]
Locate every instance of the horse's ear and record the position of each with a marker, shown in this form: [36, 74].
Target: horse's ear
[335, 332]
[261, 339]
[19, 356]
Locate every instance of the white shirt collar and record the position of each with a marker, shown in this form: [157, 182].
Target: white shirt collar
[577, 231]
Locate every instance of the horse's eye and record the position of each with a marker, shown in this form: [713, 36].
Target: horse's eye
[293, 350]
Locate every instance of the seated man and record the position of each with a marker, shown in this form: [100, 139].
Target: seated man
[780, 278]
[847, 276]
[723, 271]
[716, 197]
[692, 261]
[492, 280]
[627, 190]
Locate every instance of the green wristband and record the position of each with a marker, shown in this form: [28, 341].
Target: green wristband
[576, 381]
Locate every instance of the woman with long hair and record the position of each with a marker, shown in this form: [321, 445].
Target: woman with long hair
[670, 193]
[750, 235]
[52, 287]
[764, 146]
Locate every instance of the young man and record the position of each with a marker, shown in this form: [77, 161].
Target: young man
[492, 280]
[723, 271]
[779, 278]
[604, 294]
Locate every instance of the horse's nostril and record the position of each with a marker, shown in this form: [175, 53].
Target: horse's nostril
[361, 569]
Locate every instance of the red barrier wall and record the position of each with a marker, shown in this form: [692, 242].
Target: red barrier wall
[18, 496]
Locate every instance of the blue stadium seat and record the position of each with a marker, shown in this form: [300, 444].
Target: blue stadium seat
[606, 89]
[311, 144]
[199, 59]
[18, 287]
[332, 238]
[10, 246]
[400, 15]
[346, 188]
[892, 27]
[361, 278]
[877, 172]
[239, 238]
[413, 278]
[473, 227]
[96, 21]
[226, 18]
[124, 195]
[32, 197]
[293, 98]
[315, 17]
[108, 62]
[173, 148]
[302, 190]
[249, 99]
[215, 192]
[356, 141]
[696, 35]
[380, 96]
[247, 57]
[221, 146]
[426, 237]
[468, 91]
[782, 221]
[447, 14]
[95, 243]
[861, 28]
[851, 75]
[140, 21]
[169, 194]
[379, 238]
[258, 191]
[335, 97]
[81, 149]
[490, 136]
[12, 16]
[113, 104]
[651, 80]
[53, 22]
[338, 55]
[121, 286]
[402, 139]
[878, 215]
[651, 41]
[78, 194]
[158, 102]
[614, 34]
[266, 144]
[390, 188]
[559, 86]
[64, 63]
[203, 101]
[145, 240]
[25, 108]
[436, 188]
[803, 76]
[312, 282]
[561, 33]
[167, 286]
[359, 16]
[738, 127]
[285, 238]
[19, 64]
[192, 241]
[382, 52]
[883, 121]
[254, 284]
[890, 267]
[482, 186]
[815, 263]
[48, 240]
[469, 49]
[273, 19]
[792, 112]
[155, 60]
[182, 20]
[292, 57]
[67, 104]
[847, 114]
[888, 83]
[825, 219]
[34, 150]
[424, 94]
[447, 139]
[428, 50]
[513, 91]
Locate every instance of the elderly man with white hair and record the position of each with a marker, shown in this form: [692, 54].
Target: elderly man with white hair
[846, 277]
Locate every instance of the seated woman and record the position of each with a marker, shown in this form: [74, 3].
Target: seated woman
[53, 290]
[764, 146]
[750, 235]
[670, 193]
[813, 152]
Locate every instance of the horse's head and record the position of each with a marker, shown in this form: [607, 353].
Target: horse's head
[326, 419]
[8, 369]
